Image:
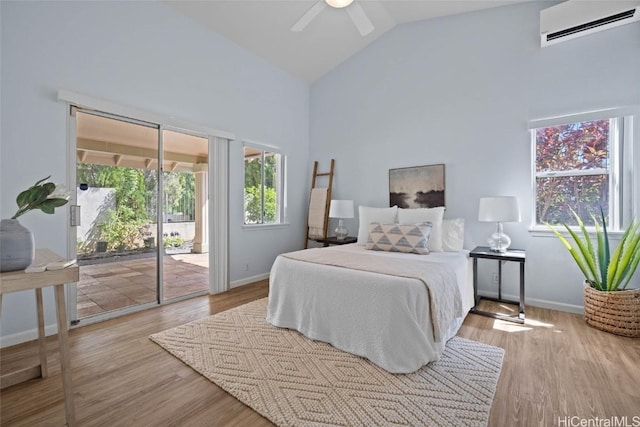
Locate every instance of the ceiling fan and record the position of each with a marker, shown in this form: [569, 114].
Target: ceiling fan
[354, 10]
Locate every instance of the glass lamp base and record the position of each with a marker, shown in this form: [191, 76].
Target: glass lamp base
[499, 242]
[341, 231]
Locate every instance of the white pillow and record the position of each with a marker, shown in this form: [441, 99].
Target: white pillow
[432, 215]
[369, 215]
[453, 234]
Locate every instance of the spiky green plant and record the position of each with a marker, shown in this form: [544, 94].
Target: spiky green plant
[605, 271]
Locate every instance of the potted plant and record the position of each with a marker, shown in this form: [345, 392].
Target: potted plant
[148, 239]
[608, 304]
[17, 249]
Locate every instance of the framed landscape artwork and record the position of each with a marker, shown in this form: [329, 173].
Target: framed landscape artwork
[417, 187]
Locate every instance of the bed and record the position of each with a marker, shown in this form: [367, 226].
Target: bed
[380, 316]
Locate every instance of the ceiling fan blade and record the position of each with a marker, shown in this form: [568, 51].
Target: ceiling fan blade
[309, 16]
[360, 18]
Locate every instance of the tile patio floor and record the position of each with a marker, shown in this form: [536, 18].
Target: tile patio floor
[115, 285]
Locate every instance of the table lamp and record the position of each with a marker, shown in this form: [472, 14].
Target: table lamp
[341, 209]
[499, 209]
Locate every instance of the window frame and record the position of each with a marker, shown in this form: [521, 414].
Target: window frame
[281, 189]
[622, 180]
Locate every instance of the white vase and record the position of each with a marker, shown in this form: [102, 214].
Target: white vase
[16, 246]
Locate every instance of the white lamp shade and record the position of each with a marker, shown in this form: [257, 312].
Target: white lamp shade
[499, 209]
[341, 209]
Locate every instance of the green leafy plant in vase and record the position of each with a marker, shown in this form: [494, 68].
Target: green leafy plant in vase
[608, 304]
[17, 248]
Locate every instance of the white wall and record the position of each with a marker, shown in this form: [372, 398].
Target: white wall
[145, 55]
[459, 90]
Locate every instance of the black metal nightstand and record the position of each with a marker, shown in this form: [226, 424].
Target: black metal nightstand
[333, 240]
[515, 255]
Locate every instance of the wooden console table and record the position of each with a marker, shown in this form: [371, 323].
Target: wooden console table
[14, 281]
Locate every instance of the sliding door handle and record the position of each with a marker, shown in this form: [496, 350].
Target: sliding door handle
[75, 215]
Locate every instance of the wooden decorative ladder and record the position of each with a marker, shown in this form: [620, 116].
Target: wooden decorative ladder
[319, 202]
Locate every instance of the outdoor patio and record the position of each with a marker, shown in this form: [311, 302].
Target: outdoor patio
[115, 285]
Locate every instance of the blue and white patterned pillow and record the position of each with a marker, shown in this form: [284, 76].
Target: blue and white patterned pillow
[407, 238]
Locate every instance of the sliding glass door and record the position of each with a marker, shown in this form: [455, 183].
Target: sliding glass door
[117, 187]
[142, 234]
[185, 229]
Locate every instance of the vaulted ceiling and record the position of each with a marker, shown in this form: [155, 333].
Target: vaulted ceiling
[263, 27]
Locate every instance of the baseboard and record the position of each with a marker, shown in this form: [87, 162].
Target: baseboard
[569, 308]
[560, 306]
[248, 280]
[26, 336]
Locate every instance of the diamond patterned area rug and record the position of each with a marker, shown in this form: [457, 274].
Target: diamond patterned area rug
[294, 381]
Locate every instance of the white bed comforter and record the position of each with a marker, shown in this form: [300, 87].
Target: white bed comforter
[384, 318]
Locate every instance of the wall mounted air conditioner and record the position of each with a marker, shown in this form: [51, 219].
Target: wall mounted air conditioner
[577, 18]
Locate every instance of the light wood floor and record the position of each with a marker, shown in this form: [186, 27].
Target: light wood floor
[555, 366]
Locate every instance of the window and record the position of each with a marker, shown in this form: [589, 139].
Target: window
[263, 186]
[579, 163]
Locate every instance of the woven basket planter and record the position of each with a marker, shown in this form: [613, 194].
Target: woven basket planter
[617, 312]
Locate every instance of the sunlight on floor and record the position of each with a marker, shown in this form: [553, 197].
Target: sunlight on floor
[505, 326]
[529, 324]
[508, 308]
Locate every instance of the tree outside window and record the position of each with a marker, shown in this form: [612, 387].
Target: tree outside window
[573, 171]
[262, 186]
